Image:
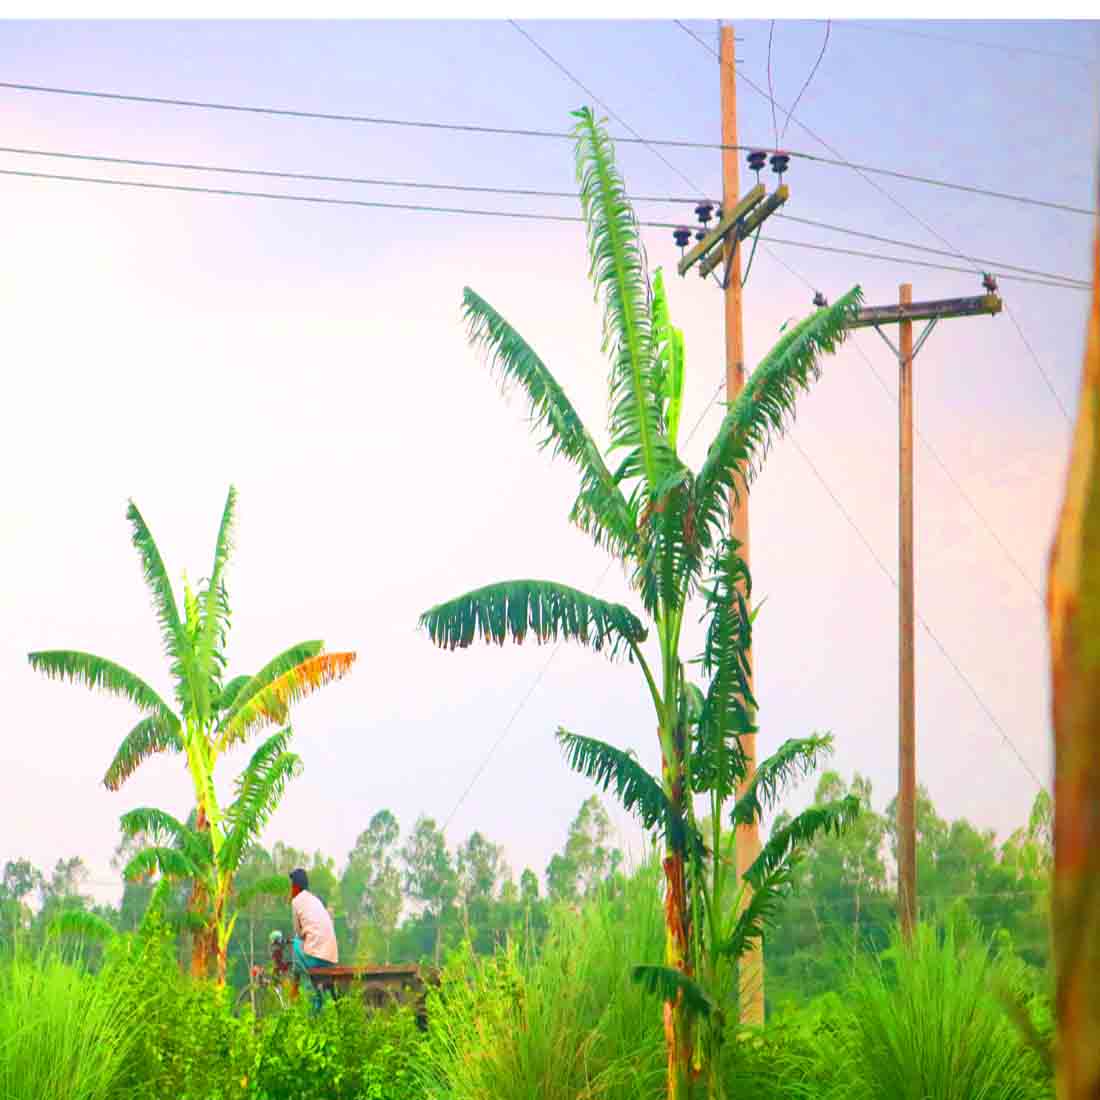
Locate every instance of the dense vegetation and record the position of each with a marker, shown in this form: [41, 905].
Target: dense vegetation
[554, 1016]
[394, 897]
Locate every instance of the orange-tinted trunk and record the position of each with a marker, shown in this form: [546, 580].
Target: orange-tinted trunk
[678, 1038]
[1073, 599]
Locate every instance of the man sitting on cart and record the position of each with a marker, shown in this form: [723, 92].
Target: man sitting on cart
[314, 937]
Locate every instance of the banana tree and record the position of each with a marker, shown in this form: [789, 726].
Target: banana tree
[211, 714]
[183, 853]
[666, 523]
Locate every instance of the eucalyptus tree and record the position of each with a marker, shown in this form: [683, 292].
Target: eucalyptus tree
[212, 714]
[667, 524]
[181, 852]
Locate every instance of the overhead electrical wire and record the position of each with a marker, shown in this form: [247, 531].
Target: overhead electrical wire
[549, 660]
[879, 28]
[838, 161]
[596, 99]
[809, 80]
[1059, 284]
[959, 672]
[562, 135]
[516, 214]
[915, 217]
[836, 500]
[519, 192]
[920, 618]
[951, 477]
[599, 580]
[521, 215]
[771, 88]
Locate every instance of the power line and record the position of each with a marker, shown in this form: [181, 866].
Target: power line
[596, 99]
[838, 161]
[920, 221]
[989, 714]
[607, 568]
[469, 211]
[951, 477]
[920, 618]
[520, 192]
[880, 29]
[553, 653]
[989, 265]
[836, 153]
[809, 79]
[561, 135]
[1039, 365]
[1058, 283]
[775, 124]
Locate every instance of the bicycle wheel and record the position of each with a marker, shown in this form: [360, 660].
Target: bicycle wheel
[265, 998]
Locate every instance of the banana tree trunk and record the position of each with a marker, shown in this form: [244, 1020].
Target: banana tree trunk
[678, 1039]
[678, 1031]
[200, 955]
[1073, 603]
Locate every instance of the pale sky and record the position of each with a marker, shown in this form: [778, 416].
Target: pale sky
[162, 345]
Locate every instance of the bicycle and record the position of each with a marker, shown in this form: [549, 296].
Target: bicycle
[264, 991]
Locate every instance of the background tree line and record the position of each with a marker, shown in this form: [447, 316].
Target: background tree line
[412, 897]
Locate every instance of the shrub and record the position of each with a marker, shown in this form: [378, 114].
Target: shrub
[343, 1053]
[565, 1024]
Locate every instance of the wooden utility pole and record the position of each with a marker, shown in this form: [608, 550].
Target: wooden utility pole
[740, 217]
[907, 721]
[903, 315]
[751, 966]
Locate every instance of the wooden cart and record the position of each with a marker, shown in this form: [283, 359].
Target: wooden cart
[379, 986]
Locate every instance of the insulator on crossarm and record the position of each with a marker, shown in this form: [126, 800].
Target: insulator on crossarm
[704, 211]
[681, 236]
[820, 300]
[756, 162]
[989, 281]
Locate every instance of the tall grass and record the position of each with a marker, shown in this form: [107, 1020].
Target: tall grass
[64, 1033]
[567, 1024]
[925, 1022]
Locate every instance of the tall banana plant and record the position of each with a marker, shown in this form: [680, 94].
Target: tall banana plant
[182, 853]
[211, 714]
[668, 524]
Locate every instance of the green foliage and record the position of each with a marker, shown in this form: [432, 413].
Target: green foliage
[586, 864]
[99, 674]
[190, 1045]
[157, 733]
[608, 766]
[763, 407]
[542, 608]
[671, 985]
[344, 1053]
[81, 923]
[600, 508]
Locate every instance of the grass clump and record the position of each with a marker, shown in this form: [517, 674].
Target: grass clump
[927, 1021]
[63, 1031]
